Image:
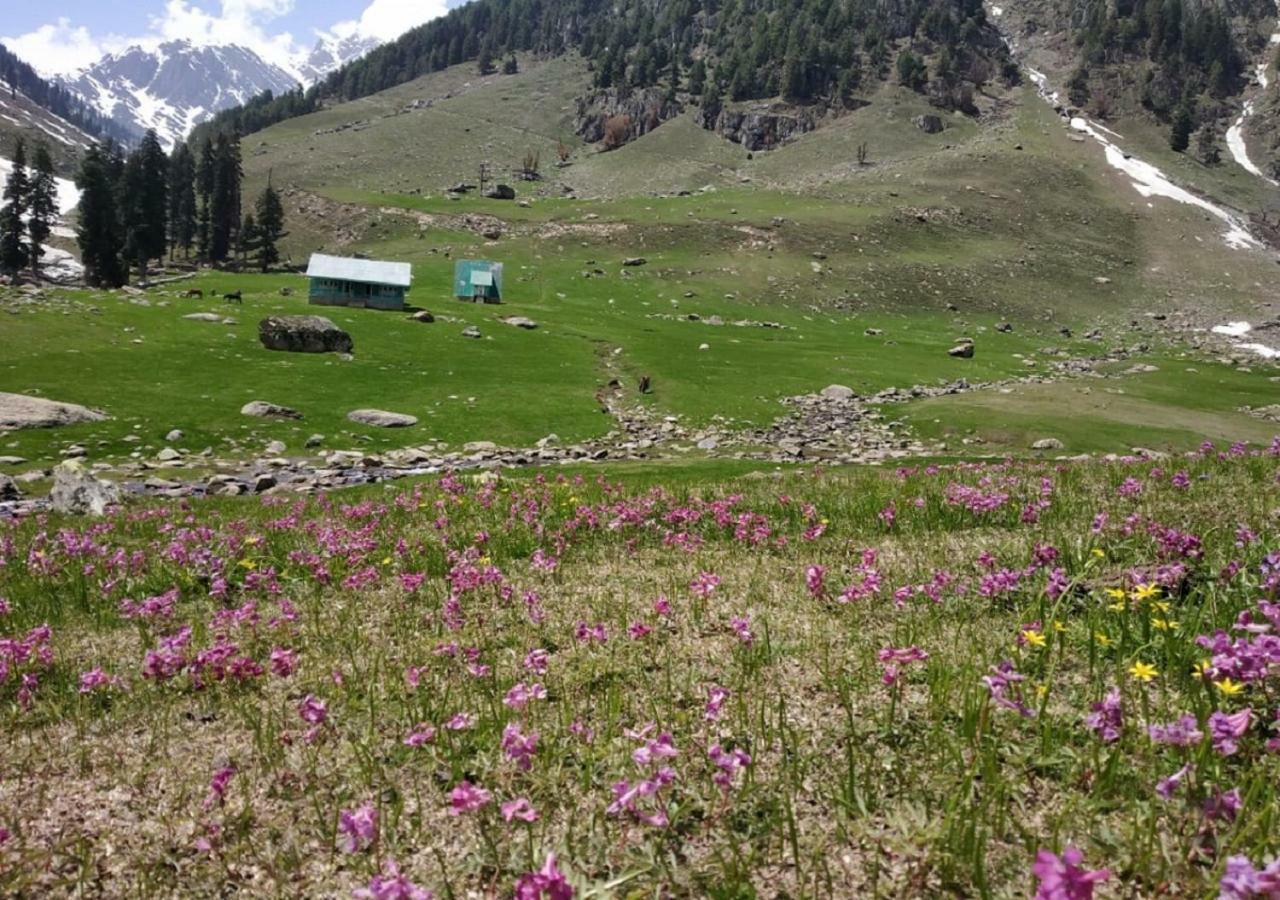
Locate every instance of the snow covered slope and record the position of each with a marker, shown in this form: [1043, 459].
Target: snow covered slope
[177, 85]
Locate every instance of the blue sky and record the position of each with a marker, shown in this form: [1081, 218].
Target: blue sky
[64, 35]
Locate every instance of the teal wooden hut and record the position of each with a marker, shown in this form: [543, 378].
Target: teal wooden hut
[478, 280]
[342, 281]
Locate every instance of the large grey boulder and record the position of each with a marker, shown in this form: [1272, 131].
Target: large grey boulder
[521, 322]
[961, 351]
[838, 392]
[22, 411]
[501, 192]
[261, 409]
[380, 418]
[303, 334]
[77, 492]
[1047, 444]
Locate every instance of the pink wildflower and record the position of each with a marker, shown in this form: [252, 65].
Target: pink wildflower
[1062, 878]
[313, 710]
[548, 883]
[519, 808]
[391, 885]
[466, 798]
[357, 828]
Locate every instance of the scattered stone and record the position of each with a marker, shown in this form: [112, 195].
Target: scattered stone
[929, 124]
[275, 448]
[704, 346]
[379, 418]
[174, 436]
[77, 492]
[708, 444]
[479, 447]
[264, 482]
[21, 411]
[9, 489]
[873, 332]
[961, 351]
[1141, 369]
[635, 261]
[12, 460]
[501, 192]
[838, 392]
[204, 317]
[261, 409]
[314, 441]
[471, 331]
[422, 315]
[1047, 444]
[303, 334]
[168, 454]
[521, 322]
[1101, 279]
[1004, 327]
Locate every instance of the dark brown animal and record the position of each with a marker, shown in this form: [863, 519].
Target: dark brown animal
[194, 294]
[233, 297]
[646, 384]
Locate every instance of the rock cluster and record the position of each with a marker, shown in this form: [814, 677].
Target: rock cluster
[303, 334]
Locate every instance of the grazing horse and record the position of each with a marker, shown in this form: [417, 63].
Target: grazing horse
[646, 384]
[194, 293]
[233, 297]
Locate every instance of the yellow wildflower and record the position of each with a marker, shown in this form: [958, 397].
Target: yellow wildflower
[1103, 640]
[1142, 671]
[1146, 592]
[1228, 687]
[1033, 637]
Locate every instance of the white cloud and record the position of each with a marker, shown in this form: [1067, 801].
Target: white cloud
[61, 48]
[238, 22]
[386, 20]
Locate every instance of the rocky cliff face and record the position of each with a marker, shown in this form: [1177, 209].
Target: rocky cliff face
[635, 112]
[758, 127]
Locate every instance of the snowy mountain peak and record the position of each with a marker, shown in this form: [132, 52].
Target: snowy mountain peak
[176, 85]
[331, 53]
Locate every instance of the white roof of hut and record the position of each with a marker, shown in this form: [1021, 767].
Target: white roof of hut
[364, 271]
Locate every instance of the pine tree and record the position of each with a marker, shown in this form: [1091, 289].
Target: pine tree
[145, 203]
[99, 230]
[14, 252]
[224, 209]
[43, 208]
[182, 200]
[484, 60]
[1207, 146]
[1180, 137]
[204, 191]
[270, 227]
[510, 67]
[248, 239]
[697, 77]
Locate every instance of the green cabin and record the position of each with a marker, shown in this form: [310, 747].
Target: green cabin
[343, 281]
[478, 281]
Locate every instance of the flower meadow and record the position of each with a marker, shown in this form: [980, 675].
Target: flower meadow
[1012, 679]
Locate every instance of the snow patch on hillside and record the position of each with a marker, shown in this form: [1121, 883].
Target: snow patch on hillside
[68, 193]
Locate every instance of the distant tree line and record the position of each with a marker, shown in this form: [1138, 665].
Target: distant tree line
[803, 50]
[137, 208]
[18, 76]
[30, 207]
[1191, 58]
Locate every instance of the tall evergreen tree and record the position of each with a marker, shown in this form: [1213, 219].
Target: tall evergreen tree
[14, 252]
[99, 233]
[224, 210]
[248, 239]
[182, 200]
[145, 203]
[270, 227]
[204, 192]
[1180, 137]
[43, 208]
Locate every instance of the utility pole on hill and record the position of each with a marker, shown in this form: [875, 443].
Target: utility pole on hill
[484, 176]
